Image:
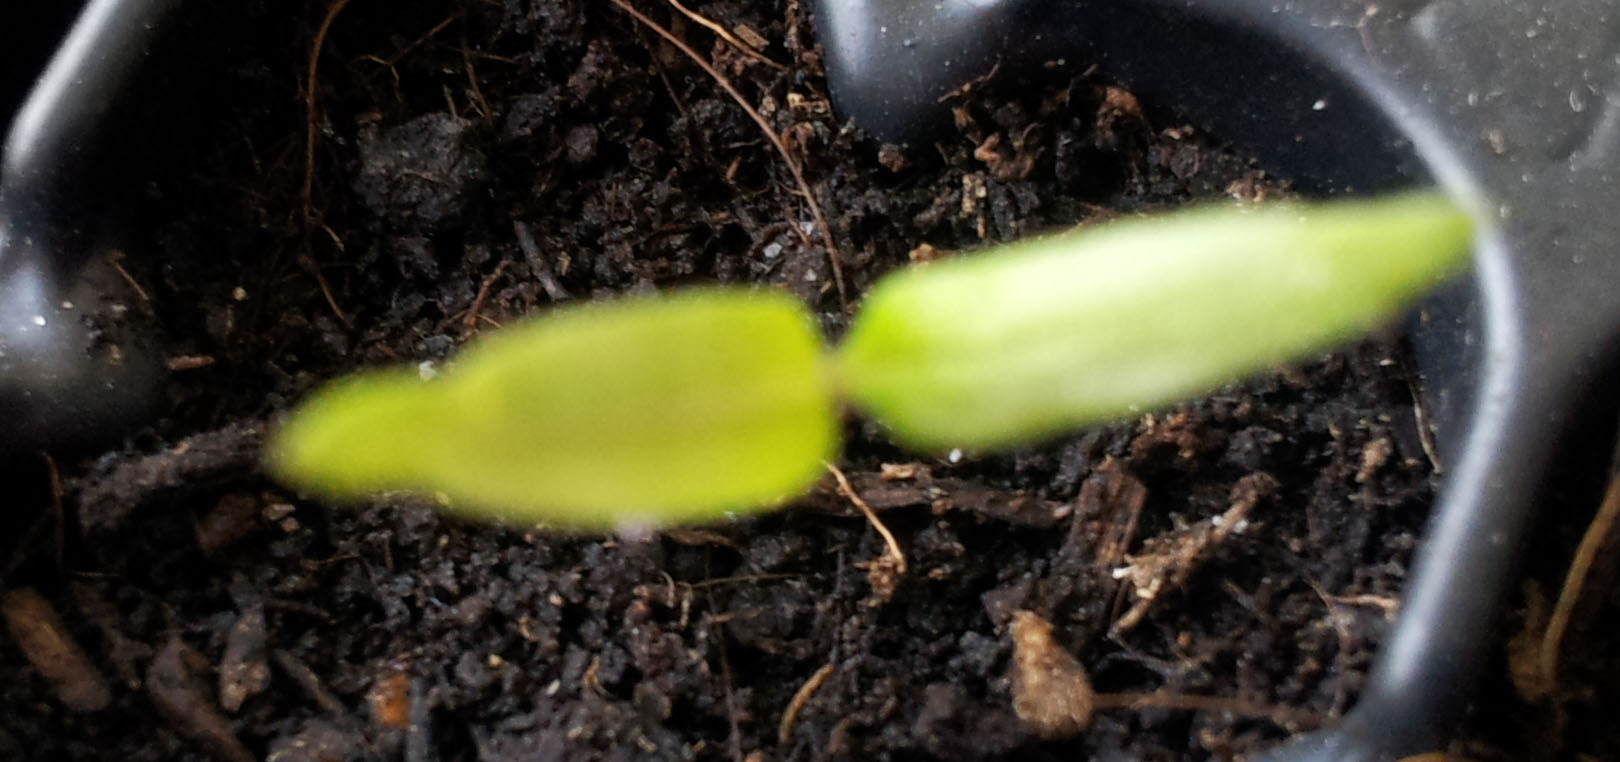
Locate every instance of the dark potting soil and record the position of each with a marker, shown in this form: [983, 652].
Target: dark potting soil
[476, 162]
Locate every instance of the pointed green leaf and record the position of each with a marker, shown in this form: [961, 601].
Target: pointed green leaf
[650, 410]
[1038, 337]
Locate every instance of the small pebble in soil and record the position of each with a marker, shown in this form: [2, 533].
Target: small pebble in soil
[1051, 692]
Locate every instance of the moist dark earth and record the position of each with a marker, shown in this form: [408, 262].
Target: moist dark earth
[467, 164]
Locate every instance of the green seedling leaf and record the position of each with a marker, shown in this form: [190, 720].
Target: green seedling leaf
[650, 410]
[998, 348]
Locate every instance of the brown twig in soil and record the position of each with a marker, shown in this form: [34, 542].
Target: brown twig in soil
[310, 121]
[885, 572]
[871, 515]
[1389, 606]
[311, 125]
[787, 215]
[400, 54]
[1597, 534]
[697, 537]
[116, 257]
[472, 78]
[57, 517]
[730, 39]
[1112, 488]
[188, 362]
[1167, 562]
[740, 580]
[1341, 626]
[967, 87]
[44, 639]
[770, 134]
[1425, 426]
[790, 716]
[473, 313]
[591, 680]
[537, 262]
[314, 269]
[663, 76]
[390, 62]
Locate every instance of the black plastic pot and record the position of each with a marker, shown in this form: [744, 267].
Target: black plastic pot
[1511, 106]
[75, 362]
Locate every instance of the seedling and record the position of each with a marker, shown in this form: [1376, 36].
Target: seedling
[649, 410]
[681, 408]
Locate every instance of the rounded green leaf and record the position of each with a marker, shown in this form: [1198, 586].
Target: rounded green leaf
[1041, 336]
[649, 410]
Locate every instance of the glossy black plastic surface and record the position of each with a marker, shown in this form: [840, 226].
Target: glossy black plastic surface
[74, 362]
[1512, 106]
